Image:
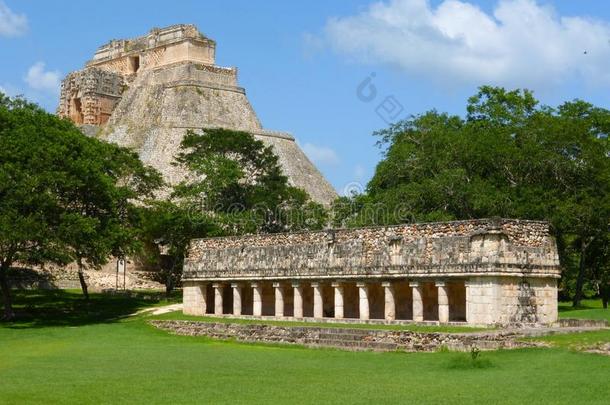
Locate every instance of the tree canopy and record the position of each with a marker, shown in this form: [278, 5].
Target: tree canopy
[510, 157]
[235, 186]
[64, 197]
[240, 180]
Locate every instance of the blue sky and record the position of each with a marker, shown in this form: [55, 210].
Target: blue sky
[305, 64]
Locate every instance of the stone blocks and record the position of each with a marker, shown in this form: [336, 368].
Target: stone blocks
[484, 272]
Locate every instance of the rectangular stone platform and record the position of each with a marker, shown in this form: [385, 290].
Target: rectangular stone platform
[350, 338]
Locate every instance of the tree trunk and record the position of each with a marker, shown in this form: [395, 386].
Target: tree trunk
[83, 282]
[581, 276]
[169, 281]
[9, 314]
[169, 284]
[604, 291]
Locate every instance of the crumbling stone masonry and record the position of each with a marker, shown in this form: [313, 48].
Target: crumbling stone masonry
[482, 272]
[145, 93]
[351, 339]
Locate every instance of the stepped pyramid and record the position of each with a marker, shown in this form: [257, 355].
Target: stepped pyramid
[145, 93]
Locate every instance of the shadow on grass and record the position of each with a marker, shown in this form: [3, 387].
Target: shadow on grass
[570, 308]
[44, 308]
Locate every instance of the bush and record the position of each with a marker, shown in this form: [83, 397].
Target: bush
[472, 360]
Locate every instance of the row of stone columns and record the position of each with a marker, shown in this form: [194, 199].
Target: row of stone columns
[318, 308]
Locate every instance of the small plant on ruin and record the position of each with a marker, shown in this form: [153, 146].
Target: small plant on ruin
[475, 353]
[463, 362]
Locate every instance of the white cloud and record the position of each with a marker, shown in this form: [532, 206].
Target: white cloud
[321, 155]
[522, 43]
[11, 24]
[39, 79]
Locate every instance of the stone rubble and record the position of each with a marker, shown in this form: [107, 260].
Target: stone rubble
[349, 339]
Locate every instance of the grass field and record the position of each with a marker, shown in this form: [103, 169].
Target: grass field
[414, 328]
[589, 309]
[64, 351]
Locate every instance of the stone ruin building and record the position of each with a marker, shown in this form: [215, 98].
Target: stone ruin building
[479, 272]
[145, 93]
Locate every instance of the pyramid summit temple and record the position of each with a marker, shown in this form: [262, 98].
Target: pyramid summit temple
[145, 93]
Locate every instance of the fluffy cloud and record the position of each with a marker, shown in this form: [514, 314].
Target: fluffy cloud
[11, 24]
[522, 43]
[43, 80]
[321, 155]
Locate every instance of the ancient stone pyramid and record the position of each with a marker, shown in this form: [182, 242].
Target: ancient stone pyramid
[144, 93]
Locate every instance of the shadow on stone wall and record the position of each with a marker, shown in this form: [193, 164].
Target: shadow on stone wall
[526, 311]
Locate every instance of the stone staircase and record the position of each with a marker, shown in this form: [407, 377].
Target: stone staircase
[352, 339]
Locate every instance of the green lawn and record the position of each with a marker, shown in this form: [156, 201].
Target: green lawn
[102, 356]
[589, 309]
[415, 328]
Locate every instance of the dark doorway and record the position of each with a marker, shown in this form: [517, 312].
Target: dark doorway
[135, 63]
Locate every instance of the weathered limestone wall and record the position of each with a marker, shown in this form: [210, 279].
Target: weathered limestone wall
[483, 272]
[194, 299]
[89, 96]
[507, 300]
[350, 339]
[66, 277]
[165, 83]
[460, 248]
[160, 47]
[162, 104]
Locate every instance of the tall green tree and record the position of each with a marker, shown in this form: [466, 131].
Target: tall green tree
[235, 186]
[101, 214]
[64, 197]
[165, 231]
[511, 157]
[239, 179]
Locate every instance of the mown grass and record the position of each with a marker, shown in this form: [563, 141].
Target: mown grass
[111, 358]
[43, 308]
[415, 328]
[588, 309]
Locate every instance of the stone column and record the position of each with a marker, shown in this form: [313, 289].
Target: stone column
[318, 307]
[418, 304]
[298, 300]
[390, 304]
[257, 299]
[236, 298]
[339, 312]
[279, 299]
[218, 289]
[363, 293]
[443, 302]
